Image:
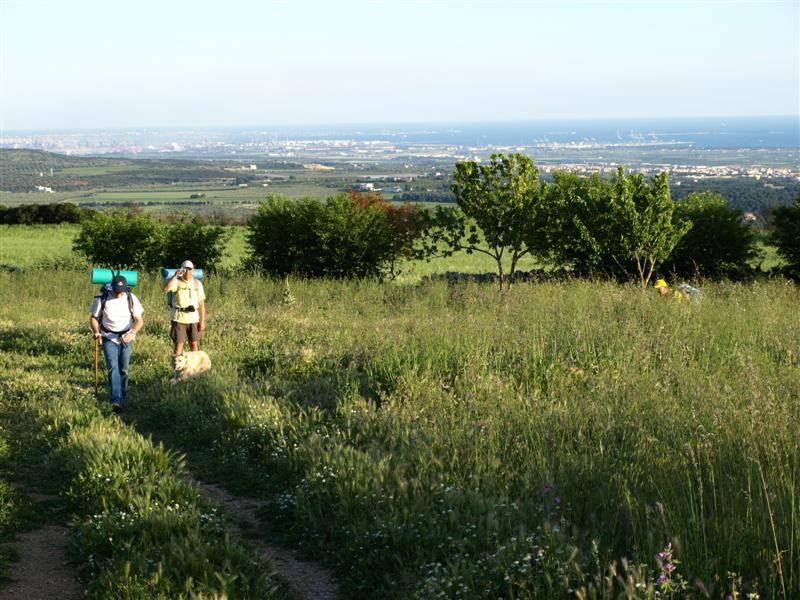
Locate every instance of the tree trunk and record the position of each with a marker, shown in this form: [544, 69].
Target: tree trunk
[499, 260]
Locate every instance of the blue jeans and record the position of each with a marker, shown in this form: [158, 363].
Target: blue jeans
[118, 357]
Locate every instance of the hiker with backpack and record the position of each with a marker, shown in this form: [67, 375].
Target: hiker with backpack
[187, 301]
[116, 318]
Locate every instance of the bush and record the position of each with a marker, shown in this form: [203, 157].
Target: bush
[577, 223]
[203, 244]
[121, 241]
[622, 227]
[719, 244]
[138, 241]
[786, 236]
[350, 235]
[29, 214]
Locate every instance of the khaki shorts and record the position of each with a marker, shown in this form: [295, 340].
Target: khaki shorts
[180, 332]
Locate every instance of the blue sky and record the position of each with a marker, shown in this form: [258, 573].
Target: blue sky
[176, 64]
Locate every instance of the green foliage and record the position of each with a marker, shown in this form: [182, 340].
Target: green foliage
[719, 243]
[140, 242]
[502, 199]
[348, 236]
[786, 236]
[195, 240]
[121, 241]
[621, 227]
[645, 230]
[354, 241]
[29, 214]
[282, 238]
[578, 219]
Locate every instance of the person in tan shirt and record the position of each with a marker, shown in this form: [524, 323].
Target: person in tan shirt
[188, 308]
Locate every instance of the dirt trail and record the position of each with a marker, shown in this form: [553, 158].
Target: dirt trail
[42, 572]
[307, 580]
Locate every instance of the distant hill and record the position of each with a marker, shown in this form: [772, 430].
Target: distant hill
[24, 170]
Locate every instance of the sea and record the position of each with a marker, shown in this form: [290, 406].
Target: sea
[696, 132]
[704, 132]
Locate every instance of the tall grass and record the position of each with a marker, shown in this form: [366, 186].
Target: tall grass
[438, 440]
[138, 530]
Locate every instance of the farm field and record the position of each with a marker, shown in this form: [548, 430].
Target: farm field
[438, 440]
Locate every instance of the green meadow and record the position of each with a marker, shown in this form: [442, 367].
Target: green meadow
[567, 439]
[29, 246]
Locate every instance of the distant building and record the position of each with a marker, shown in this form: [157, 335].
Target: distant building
[253, 167]
[42, 188]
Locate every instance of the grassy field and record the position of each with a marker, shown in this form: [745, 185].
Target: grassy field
[137, 528]
[31, 245]
[28, 245]
[441, 440]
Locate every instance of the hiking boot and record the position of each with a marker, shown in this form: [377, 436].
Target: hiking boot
[117, 407]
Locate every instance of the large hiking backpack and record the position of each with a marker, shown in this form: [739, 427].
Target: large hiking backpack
[104, 295]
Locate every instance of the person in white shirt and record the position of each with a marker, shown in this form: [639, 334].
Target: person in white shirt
[116, 318]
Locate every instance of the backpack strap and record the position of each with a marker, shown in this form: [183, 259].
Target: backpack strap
[130, 303]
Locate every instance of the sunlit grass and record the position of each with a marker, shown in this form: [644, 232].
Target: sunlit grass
[432, 438]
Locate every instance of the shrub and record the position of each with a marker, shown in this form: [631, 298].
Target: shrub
[282, 237]
[578, 224]
[621, 227]
[203, 244]
[121, 241]
[719, 244]
[786, 236]
[28, 214]
[350, 235]
[138, 241]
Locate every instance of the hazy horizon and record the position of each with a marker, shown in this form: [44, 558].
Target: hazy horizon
[91, 66]
[353, 124]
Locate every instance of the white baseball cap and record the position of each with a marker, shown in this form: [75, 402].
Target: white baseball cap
[187, 264]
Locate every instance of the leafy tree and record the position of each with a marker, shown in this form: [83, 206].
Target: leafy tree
[121, 241]
[719, 244]
[196, 240]
[642, 220]
[282, 236]
[500, 199]
[786, 236]
[620, 227]
[350, 235]
[577, 221]
[405, 222]
[354, 240]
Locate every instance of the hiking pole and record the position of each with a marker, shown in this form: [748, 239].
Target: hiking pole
[96, 368]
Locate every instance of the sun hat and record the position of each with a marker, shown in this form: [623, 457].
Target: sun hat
[660, 283]
[119, 284]
[187, 264]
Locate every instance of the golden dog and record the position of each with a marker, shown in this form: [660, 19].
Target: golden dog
[190, 364]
